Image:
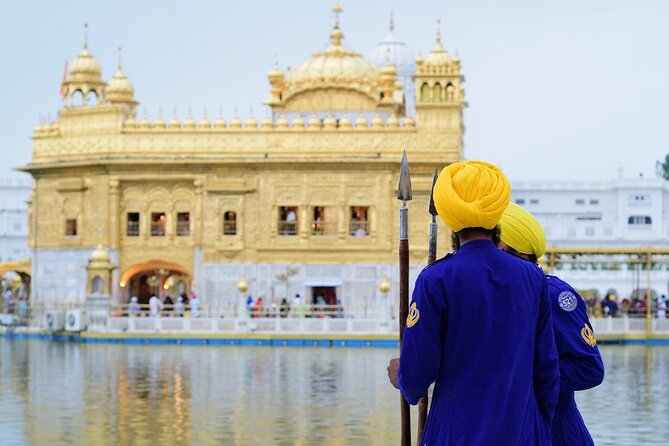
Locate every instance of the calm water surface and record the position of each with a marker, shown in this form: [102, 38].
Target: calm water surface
[54, 393]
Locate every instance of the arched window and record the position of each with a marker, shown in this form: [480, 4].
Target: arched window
[78, 98]
[425, 92]
[91, 98]
[640, 220]
[97, 285]
[450, 92]
[436, 93]
[230, 223]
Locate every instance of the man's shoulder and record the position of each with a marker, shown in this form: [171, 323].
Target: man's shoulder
[440, 263]
[555, 284]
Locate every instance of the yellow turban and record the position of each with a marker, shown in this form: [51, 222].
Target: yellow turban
[471, 194]
[522, 231]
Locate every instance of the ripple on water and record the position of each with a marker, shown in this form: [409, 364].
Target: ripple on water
[60, 393]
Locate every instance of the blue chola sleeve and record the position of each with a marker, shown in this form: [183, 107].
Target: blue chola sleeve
[581, 365]
[421, 351]
[546, 369]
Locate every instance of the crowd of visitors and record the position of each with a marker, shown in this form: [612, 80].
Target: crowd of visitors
[298, 308]
[183, 307]
[633, 306]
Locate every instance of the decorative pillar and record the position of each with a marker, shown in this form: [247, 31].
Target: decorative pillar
[199, 212]
[114, 211]
[98, 289]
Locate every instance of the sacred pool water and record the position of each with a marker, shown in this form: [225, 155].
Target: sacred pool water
[54, 393]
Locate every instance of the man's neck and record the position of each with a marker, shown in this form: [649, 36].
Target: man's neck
[468, 236]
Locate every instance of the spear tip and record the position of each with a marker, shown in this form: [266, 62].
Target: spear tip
[432, 209]
[404, 188]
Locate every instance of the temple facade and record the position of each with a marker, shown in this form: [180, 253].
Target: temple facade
[302, 201]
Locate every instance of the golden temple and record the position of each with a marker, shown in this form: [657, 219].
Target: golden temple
[302, 202]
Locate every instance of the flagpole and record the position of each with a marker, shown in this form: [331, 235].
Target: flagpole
[431, 257]
[404, 194]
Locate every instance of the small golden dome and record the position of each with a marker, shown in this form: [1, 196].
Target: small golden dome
[119, 88]
[329, 123]
[242, 285]
[251, 124]
[384, 286]
[438, 56]
[175, 124]
[159, 124]
[99, 255]
[298, 123]
[377, 122]
[282, 123]
[393, 122]
[85, 67]
[130, 122]
[266, 123]
[204, 124]
[235, 123]
[314, 123]
[361, 122]
[189, 123]
[145, 124]
[220, 124]
[409, 122]
[345, 123]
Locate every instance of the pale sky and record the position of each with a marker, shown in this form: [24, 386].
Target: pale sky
[569, 89]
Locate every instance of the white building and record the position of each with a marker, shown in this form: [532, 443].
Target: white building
[623, 213]
[14, 195]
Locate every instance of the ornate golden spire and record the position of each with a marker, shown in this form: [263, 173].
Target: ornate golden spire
[437, 43]
[336, 35]
[120, 65]
[86, 35]
[392, 22]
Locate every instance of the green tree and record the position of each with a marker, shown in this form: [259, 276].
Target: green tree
[663, 167]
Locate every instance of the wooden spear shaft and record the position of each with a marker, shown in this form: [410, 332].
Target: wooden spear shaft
[431, 257]
[404, 194]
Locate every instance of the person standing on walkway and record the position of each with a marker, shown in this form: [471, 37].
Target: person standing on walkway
[581, 365]
[155, 306]
[479, 327]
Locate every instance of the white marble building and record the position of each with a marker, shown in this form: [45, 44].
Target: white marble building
[622, 213]
[14, 195]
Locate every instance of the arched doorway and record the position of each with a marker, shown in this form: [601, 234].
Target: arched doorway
[15, 280]
[154, 277]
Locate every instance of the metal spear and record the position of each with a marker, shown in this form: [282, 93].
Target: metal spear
[404, 194]
[431, 257]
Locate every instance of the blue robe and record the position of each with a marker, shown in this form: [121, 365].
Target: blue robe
[581, 365]
[480, 327]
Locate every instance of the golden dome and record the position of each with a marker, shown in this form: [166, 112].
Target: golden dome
[204, 124]
[345, 122]
[100, 255]
[119, 88]
[335, 80]
[336, 65]
[85, 67]
[438, 56]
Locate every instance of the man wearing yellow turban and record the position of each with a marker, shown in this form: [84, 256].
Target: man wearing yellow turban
[479, 327]
[581, 365]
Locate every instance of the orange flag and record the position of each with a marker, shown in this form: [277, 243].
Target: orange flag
[62, 85]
